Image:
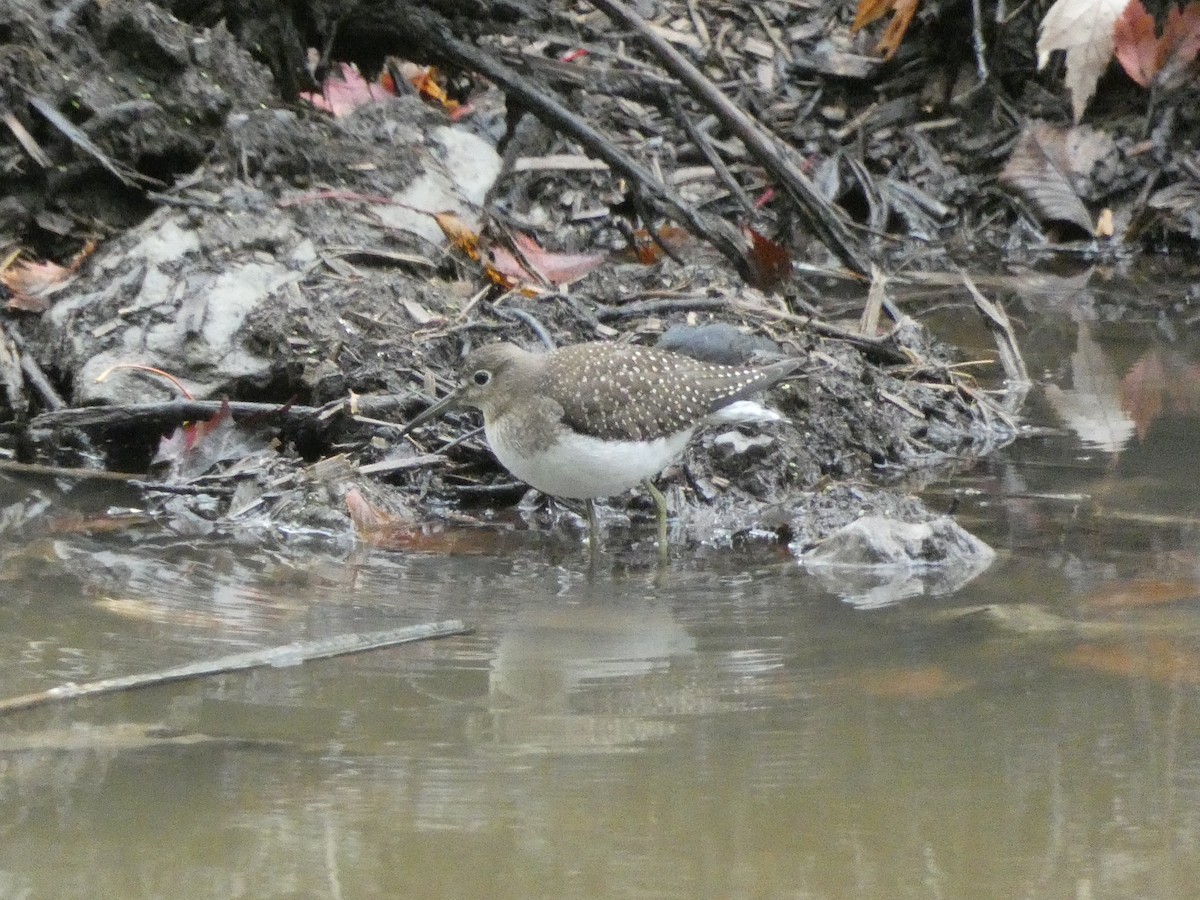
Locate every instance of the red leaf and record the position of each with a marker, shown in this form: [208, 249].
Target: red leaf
[554, 268]
[1135, 43]
[344, 91]
[1145, 57]
[769, 264]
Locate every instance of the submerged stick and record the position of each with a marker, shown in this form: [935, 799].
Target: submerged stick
[286, 655]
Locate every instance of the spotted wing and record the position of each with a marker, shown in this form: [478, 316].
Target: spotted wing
[635, 393]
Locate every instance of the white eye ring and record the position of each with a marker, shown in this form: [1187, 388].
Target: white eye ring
[481, 377]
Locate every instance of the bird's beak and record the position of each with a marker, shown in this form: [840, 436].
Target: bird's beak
[447, 403]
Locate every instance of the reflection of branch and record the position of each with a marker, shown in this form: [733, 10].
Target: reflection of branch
[286, 655]
[1006, 341]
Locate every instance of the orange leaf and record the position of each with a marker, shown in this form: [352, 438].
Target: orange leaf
[458, 234]
[869, 11]
[429, 87]
[897, 28]
[647, 251]
[902, 12]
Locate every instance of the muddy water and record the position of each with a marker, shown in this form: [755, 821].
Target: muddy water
[729, 726]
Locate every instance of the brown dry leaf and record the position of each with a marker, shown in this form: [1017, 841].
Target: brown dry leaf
[32, 283]
[1180, 41]
[1045, 162]
[769, 264]
[902, 12]
[1084, 29]
[216, 437]
[1146, 57]
[1157, 659]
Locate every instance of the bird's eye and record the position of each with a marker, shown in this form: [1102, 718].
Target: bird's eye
[481, 377]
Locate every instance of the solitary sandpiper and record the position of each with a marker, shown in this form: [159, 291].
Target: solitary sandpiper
[593, 420]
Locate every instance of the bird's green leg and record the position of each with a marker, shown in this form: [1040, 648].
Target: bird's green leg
[660, 507]
[593, 527]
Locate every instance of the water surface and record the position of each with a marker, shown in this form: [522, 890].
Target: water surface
[727, 726]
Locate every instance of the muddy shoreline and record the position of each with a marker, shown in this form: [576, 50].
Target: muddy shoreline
[260, 250]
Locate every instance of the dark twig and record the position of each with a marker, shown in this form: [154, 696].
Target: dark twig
[823, 217]
[166, 414]
[125, 175]
[531, 320]
[700, 139]
[434, 34]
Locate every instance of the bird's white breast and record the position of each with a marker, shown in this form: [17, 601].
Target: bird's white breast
[581, 466]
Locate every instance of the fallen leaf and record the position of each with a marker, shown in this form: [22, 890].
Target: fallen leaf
[33, 283]
[195, 447]
[1084, 29]
[647, 251]
[187, 437]
[769, 264]
[459, 234]
[1180, 42]
[1146, 57]
[343, 91]
[1136, 43]
[428, 82]
[1044, 164]
[902, 12]
[548, 266]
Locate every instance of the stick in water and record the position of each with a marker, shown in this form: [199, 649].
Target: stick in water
[287, 655]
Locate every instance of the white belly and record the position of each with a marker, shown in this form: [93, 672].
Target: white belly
[580, 466]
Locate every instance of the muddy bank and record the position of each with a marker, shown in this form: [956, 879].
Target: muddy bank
[267, 252]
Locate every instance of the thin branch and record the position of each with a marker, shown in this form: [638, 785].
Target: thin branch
[822, 216]
[286, 655]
